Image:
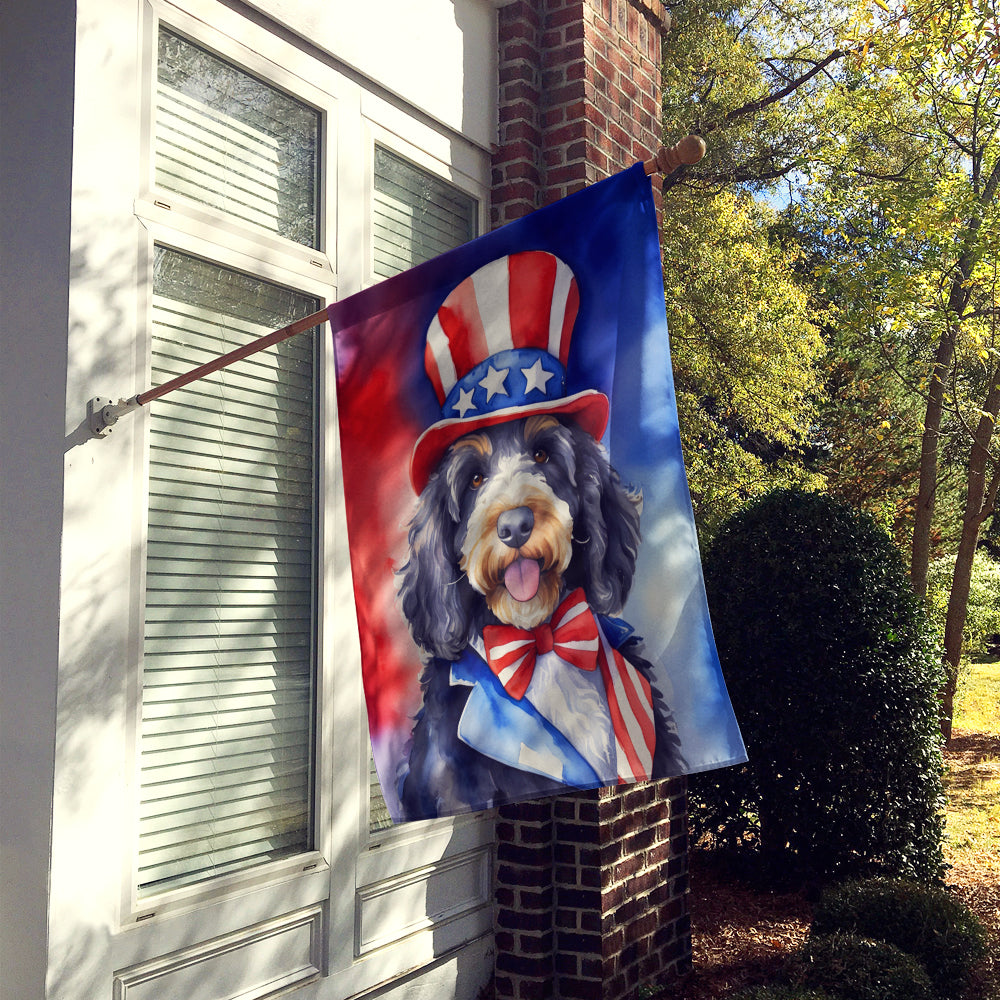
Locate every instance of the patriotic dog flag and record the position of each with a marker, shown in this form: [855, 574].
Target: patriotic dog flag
[530, 606]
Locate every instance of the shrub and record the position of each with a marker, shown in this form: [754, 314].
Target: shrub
[833, 674]
[925, 922]
[856, 968]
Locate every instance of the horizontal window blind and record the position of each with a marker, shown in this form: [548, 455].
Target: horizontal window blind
[416, 216]
[228, 656]
[228, 140]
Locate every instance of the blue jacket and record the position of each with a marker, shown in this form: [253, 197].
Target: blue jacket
[474, 746]
[514, 732]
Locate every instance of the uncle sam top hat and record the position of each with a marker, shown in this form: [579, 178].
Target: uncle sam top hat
[497, 350]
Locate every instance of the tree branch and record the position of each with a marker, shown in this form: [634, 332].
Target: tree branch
[724, 178]
[754, 106]
[873, 175]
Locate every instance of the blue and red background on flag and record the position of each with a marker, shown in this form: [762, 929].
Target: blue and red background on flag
[607, 235]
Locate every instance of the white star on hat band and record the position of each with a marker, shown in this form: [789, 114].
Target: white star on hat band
[511, 378]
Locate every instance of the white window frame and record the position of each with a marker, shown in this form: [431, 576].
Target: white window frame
[276, 62]
[385, 126]
[395, 858]
[352, 874]
[140, 909]
[177, 223]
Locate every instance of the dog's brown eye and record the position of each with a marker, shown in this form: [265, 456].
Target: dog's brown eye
[541, 455]
[477, 480]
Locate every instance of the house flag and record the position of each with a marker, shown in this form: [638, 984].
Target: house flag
[529, 594]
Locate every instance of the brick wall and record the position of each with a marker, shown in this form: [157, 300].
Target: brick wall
[591, 893]
[579, 96]
[591, 887]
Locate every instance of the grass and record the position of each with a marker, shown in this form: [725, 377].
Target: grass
[972, 848]
[973, 783]
[978, 698]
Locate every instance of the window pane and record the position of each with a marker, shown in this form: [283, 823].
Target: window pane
[228, 140]
[417, 216]
[228, 658]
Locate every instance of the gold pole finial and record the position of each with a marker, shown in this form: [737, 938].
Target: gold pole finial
[668, 158]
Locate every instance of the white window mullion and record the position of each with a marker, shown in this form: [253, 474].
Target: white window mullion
[415, 216]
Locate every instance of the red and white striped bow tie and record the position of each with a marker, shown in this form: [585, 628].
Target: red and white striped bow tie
[511, 652]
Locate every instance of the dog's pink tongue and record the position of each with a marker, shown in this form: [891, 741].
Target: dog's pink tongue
[521, 579]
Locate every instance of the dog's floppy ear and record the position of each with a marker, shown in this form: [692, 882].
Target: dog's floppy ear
[433, 593]
[606, 528]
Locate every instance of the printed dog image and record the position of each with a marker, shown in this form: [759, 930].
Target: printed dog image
[529, 610]
[521, 552]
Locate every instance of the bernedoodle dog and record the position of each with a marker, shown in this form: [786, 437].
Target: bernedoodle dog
[522, 548]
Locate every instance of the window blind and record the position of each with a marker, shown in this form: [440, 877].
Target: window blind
[228, 655]
[416, 216]
[228, 140]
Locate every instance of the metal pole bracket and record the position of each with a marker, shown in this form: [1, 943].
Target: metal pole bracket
[103, 413]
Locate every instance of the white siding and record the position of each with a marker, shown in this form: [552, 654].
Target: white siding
[434, 54]
[76, 300]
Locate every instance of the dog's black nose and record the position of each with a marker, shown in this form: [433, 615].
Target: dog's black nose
[514, 526]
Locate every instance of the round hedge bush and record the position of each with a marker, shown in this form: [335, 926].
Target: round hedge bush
[924, 921]
[833, 673]
[855, 968]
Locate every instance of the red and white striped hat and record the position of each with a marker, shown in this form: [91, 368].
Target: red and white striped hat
[497, 351]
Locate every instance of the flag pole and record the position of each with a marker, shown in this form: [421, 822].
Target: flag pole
[103, 413]
[687, 152]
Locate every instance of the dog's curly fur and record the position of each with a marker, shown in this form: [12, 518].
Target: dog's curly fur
[582, 528]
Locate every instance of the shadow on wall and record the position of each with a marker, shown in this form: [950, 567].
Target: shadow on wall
[90, 818]
[471, 878]
[468, 19]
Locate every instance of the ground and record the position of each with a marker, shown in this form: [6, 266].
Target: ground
[741, 935]
[973, 848]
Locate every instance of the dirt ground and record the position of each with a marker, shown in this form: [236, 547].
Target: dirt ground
[742, 935]
[974, 759]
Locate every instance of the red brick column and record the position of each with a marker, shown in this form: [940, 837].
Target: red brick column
[591, 893]
[579, 96]
[591, 888]
[524, 901]
[518, 171]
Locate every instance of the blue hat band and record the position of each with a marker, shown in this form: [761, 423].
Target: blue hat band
[517, 377]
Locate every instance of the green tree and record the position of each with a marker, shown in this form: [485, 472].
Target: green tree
[868, 426]
[747, 77]
[747, 353]
[879, 122]
[911, 188]
[747, 358]
[982, 620]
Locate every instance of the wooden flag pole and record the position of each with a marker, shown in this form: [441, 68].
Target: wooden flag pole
[103, 413]
[687, 152]
[260, 344]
